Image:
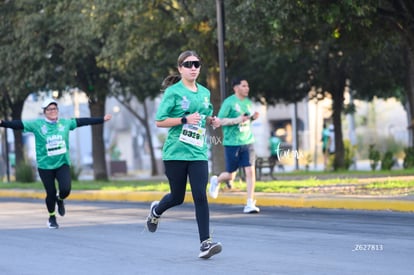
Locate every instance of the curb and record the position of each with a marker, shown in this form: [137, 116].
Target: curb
[238, 198]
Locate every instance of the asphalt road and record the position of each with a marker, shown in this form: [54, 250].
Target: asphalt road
[109, 238]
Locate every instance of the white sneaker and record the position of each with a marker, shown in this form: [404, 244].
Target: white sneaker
[214, 187]
[251, 208]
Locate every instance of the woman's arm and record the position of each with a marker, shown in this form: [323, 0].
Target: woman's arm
[231, 121]
[168, 122]
[13, 124]
[175, 121]
[83, 121]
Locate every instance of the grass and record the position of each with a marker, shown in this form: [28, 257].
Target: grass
[399, 182]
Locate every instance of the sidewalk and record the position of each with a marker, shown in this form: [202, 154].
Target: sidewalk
[402, 204]
[315, 199]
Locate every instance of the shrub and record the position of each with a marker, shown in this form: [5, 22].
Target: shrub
[25, 173]
[387, 161]
[349, 154]
[374, 156]
[409, 158]
[388, 143]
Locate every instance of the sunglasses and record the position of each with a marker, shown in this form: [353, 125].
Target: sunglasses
[190, 64]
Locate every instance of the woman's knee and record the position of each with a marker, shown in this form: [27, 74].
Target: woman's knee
[175, 202]
[200, 200]
[64, 193]
[176, 199]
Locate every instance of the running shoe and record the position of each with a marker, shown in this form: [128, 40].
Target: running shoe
[251, 208]
[52, 222]
[209, 248]
[214, 187]
[61, 206]
[152, 219]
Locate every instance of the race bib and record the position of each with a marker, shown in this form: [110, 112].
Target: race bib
[193, 134]
[55, 148]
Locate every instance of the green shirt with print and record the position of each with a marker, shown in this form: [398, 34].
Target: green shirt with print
[239, 134]
[52, 141]
[325, 138]
[274, 145]
[185, 142]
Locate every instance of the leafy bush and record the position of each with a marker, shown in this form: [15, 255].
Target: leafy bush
[349, 154]
[25, 173]
[383, 144]
[374, 156]
[387, 161]
[409, 158]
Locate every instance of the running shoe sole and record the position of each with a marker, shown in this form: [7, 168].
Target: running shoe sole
[215, 249]
[152, 222]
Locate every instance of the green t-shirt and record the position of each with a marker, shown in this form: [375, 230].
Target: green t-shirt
[185, 142]
[325, 138]
[52, 141]
[274, 145]
[239, 134]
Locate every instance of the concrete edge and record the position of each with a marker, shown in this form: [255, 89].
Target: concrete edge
[263, 199]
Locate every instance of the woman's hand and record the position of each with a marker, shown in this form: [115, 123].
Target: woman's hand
[215, 122]
[193, 118]
[107, 117]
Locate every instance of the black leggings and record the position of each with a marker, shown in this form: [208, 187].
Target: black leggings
[197, 172]
[62, 174]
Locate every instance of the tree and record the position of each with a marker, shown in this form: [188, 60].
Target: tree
[319, 44]
[25, 64]
[156, 33]
[294, 46]
[54, 45]
[81, 40]
[399, 15]
[138, 66]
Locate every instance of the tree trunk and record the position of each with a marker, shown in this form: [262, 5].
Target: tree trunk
[410, 89]
[337, 90]
[337, 97]
[154, 167]
[216, 136]
[98, 145]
